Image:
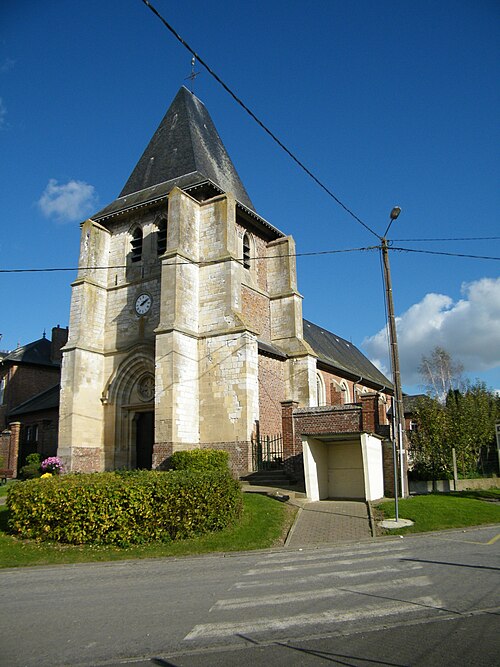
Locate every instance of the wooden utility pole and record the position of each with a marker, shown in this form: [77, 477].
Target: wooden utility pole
[398, 409]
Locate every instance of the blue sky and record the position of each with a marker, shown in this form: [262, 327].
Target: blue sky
[387, 102]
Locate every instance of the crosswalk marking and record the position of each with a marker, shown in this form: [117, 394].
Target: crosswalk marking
[321, 576]
[226, 629]
[299, 565]
[304, 556]
[319, 594]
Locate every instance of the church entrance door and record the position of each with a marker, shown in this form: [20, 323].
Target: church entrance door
[144, 440]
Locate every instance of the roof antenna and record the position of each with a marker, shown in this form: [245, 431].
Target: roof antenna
[193, 74]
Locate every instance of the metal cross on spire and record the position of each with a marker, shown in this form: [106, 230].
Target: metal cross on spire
[193, 74]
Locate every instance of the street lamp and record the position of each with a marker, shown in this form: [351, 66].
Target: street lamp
[398, 410]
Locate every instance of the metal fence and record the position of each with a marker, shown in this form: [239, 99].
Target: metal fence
[267, 452]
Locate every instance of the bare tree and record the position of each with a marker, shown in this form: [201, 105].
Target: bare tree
[441, 373]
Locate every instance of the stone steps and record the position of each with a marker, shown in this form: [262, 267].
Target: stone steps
[272, 479]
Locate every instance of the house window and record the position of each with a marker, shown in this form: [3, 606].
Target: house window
[320, 390]
[32, 433]
[246, 250]
[3, 382]
[413, 425]
[161, 238]
[136, 245]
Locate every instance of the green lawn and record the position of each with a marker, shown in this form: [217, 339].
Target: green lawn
[5, 487]
[441, 511]
[264, 523]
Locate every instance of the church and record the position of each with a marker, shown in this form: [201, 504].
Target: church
[186, 331]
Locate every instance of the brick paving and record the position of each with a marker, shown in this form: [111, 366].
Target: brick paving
[329, 522]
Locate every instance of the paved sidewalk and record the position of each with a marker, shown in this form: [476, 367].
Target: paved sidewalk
[322, 522]
[329, 522]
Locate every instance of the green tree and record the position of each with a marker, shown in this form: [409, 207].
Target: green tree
[466, 422]
[430, 452]
[471, 417]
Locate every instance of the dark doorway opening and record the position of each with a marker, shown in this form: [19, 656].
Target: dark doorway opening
[144, 439]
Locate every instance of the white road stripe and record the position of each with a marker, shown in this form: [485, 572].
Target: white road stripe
[265, 569]
[272, 624]
[320, 594]
[321, 576]
[304, 556]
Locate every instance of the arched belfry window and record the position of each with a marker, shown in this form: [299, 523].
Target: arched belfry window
[161, 237]
[136, 245]
[246, 250]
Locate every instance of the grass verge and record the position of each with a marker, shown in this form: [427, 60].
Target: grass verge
[264, 523]
[5, 487]
[441, 511]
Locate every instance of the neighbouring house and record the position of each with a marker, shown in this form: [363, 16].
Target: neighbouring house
[410, 403]
[29, 399]
[186, 331]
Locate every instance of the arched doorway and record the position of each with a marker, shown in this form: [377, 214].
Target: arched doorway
[130, 401]
[144, 439]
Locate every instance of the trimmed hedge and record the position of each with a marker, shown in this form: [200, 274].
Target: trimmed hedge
[123, 509]
[200, 460]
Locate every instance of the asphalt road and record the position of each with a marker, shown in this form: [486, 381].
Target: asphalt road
[419, 601]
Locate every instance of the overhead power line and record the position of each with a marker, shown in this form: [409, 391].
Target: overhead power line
[448, 254]
[463, 238]
[257, 120]
[315, 253]
[191, 262]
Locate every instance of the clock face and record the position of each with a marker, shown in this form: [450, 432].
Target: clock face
[143, 303]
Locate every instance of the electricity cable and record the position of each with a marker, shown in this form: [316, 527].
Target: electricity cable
[464, 238]
[257, 120]
[251, 259]
[188, 262]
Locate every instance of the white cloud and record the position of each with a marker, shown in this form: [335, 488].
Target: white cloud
[469, 329]
[67, 202]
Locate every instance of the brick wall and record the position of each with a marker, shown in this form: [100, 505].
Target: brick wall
[353, 418]
[24, 382]
[271, 394]
[46, 443]
[4, 448]
[370, 414]
[10, 447]
[256, 311]
[328, 419]
[86, 459]
[240, 455]
[58, 340]
[162, 451]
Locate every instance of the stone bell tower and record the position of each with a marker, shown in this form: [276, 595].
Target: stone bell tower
[171, 306]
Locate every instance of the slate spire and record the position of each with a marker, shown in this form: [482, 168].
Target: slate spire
[186, 147]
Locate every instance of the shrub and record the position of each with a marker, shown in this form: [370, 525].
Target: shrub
[109, 508]
[32, 468]
[200, 460]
